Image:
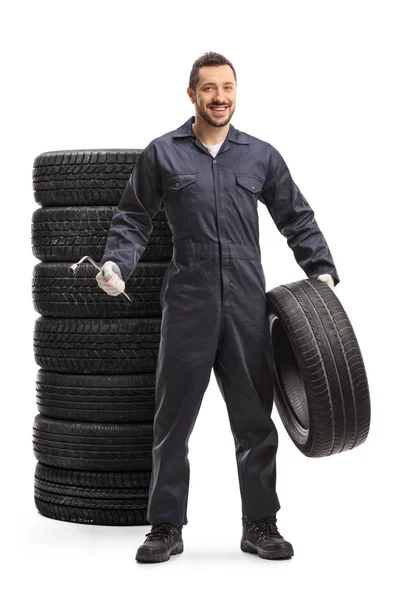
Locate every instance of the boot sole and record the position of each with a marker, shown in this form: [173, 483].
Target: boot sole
[285, 551]
[156, 558]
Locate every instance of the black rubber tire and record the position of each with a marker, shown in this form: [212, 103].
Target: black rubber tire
[321, 387]
[68, 233]
[97, 345]
[58, 293]
[82, 177]
[93, 446]
[92, 498]
[96, 398]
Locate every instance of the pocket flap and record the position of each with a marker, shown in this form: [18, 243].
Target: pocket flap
[251, 183]
[179, 180]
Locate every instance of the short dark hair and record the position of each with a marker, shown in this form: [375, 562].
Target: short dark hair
[208, 59]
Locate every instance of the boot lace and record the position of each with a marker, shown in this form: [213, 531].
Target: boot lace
[160, 531]
[267, 526]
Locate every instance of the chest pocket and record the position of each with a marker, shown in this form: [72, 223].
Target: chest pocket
[248, 188]
[180, 195]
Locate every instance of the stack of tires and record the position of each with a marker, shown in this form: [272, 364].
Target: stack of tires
[97, 353]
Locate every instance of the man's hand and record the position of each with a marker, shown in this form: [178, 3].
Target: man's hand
[110, 280]
[328, 279]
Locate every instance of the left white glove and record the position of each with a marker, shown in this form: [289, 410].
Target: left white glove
[328, 279]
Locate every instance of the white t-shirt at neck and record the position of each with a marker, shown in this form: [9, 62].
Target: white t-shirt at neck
[214, 149]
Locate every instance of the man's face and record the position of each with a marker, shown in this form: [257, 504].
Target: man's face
[216, 88]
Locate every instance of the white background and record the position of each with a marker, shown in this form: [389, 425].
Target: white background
[318, 80]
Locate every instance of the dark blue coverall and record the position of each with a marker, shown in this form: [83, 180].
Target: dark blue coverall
[213, 298]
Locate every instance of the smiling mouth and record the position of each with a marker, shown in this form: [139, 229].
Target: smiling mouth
[219, 110]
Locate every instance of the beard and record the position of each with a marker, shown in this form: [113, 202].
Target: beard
[215, 121]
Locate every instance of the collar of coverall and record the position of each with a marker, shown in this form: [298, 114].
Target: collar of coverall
[234, 135]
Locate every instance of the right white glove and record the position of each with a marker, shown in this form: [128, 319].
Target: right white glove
[110, 279]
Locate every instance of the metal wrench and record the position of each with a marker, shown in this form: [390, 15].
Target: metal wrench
[75, 266]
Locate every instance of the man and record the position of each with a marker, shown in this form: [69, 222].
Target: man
[214, 308]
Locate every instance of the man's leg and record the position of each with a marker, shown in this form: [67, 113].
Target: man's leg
[186, 355]
[243, 370]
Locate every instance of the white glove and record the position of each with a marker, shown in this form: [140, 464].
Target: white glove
[110, 280]
[328, 279]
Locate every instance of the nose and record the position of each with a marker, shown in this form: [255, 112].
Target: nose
[219, 98]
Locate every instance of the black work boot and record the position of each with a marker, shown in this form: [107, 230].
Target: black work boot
[163, 540]
[263, 538]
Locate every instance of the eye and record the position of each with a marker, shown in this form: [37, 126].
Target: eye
[229, 87]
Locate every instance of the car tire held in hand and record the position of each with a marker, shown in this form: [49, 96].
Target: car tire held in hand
[320, 382]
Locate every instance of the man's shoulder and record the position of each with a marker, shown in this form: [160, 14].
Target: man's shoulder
[258, 142]
[159, 142]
